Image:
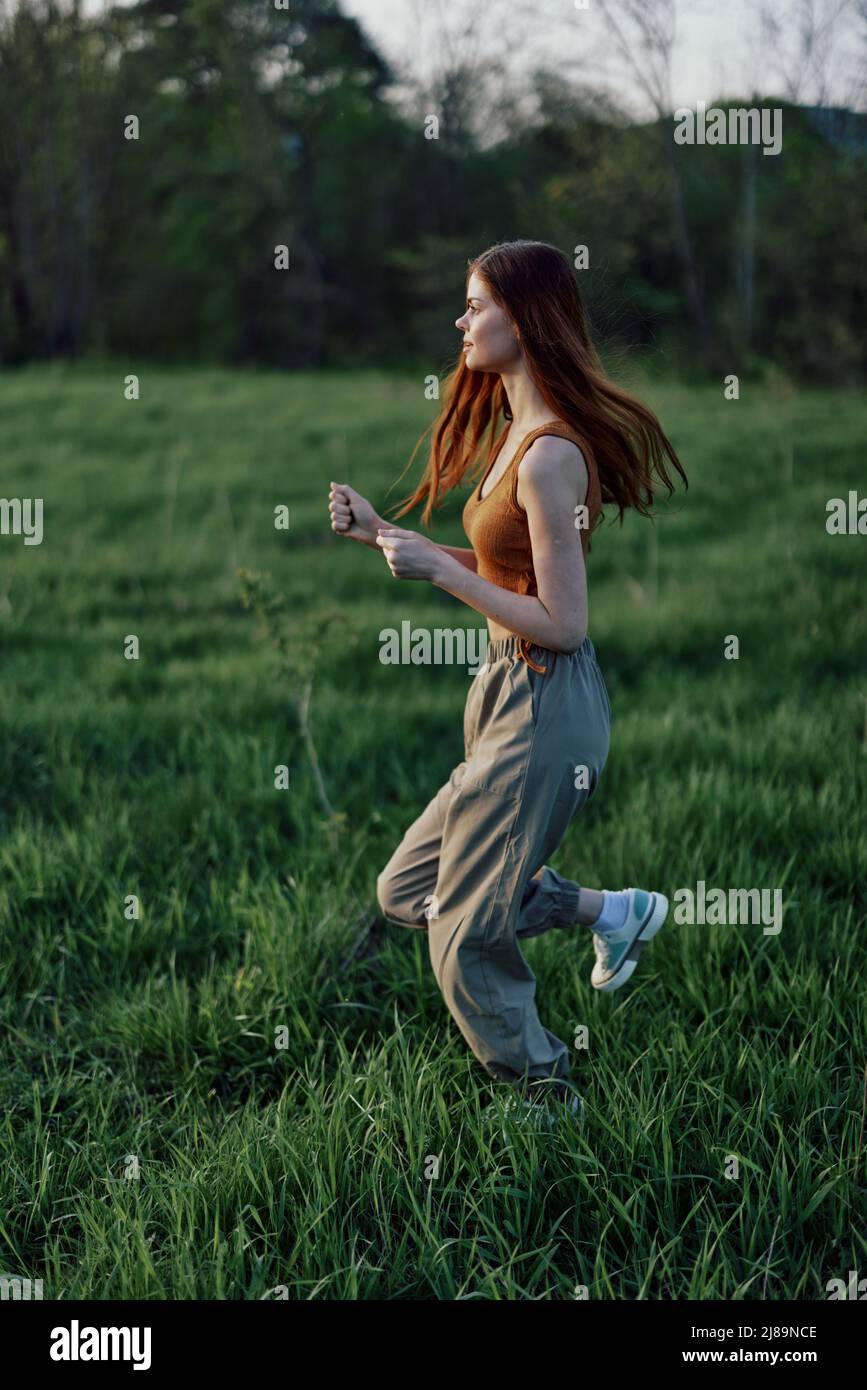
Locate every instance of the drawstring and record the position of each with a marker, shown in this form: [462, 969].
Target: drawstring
[524, 655]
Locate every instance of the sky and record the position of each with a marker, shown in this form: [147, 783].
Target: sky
[718, 49]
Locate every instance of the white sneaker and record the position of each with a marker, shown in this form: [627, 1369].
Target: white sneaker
[617, 951]
[515, 1110]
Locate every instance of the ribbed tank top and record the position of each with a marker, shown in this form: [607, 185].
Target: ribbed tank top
[497, 528]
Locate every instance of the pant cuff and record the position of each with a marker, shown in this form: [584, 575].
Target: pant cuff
[567, 911]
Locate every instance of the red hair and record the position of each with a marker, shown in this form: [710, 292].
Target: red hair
[534, 283]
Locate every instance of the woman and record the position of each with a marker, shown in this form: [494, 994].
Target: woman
[471, 870]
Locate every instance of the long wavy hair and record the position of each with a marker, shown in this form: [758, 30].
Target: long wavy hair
[536, 286]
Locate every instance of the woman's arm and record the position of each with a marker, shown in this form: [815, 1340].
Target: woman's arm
[354, 517]
[466, 557]
[551, 475]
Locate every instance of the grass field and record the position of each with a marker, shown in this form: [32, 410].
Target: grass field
[154, 1142]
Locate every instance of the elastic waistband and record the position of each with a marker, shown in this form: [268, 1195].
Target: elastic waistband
[537, 657]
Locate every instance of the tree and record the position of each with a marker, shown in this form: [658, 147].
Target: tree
[643, 32]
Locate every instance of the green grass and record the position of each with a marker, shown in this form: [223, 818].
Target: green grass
[306, 1167]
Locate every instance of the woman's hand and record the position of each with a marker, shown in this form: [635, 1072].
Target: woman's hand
[352, 515]
[409, 555]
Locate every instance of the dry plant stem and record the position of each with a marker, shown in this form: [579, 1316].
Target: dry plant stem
[304, 721]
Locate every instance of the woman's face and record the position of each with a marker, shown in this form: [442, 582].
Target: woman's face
[489, 334]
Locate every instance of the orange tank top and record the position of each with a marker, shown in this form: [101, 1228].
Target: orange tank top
[497, 529]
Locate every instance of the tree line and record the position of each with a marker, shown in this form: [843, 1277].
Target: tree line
[154, 160]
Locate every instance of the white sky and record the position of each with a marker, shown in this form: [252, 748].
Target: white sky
[719, 48]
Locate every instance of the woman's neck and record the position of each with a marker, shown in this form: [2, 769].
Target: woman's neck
[526, 402]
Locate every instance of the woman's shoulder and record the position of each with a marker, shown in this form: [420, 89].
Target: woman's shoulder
[544, 439]
[550, 460]
[549, 452]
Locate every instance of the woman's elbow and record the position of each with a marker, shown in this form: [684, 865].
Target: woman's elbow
[572, 641]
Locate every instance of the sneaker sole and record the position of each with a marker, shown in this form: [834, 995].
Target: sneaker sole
[630, 960]
[537, 1116]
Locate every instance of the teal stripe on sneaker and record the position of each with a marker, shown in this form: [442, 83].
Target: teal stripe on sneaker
[642, 903]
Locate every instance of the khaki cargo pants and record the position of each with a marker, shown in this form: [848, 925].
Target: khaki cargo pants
[471, 870]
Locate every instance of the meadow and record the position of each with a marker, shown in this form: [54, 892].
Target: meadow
[154, 1141]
